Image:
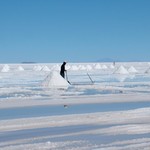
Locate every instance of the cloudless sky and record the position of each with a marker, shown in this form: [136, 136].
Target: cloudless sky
[74, 30]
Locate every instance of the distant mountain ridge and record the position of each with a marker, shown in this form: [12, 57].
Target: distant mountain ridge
[122, 60]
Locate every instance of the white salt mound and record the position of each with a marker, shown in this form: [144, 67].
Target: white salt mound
[121, 70]
[56, 81]
[82, 67]
[89, 67]
[5, 68]
[20, 68]
[98, 66]
[56, 67]
[37, 68]
[104, 67]
[132, 70]
[112, 66]
[45, 68]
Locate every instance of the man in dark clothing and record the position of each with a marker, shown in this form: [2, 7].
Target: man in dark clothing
[62, 71]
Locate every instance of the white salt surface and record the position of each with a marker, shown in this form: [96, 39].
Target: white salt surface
[113, 129]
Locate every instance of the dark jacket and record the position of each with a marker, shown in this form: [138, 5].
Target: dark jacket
[62, 70]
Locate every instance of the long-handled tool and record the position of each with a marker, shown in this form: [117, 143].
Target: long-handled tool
[67, 78]
[90, 78]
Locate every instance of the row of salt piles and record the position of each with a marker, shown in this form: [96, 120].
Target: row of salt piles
[69, 67]
[120, 70]
[88, 67]
[45, 68]
[6, 68]
[123, 70]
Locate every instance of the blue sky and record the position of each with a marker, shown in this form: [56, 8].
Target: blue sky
[74, 30]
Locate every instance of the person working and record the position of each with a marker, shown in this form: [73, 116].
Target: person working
[62, 70]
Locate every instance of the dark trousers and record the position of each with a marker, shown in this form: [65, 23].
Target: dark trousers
[62, 74]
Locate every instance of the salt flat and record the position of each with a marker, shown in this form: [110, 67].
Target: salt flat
[111, 114]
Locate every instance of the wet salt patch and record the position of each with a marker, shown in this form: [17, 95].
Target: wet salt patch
[22, 95]
[136, 86]
[37, 111]
[138, 78]
[95, 92]
[47, 131]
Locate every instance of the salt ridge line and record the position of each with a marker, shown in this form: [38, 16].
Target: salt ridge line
[101, 118]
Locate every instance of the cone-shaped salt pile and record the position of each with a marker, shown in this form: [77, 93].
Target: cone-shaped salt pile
[132, 70]
[82, 67]
[89, 67]
[20, 68]
[45, 68]
[56, 67]
[121, 70]
[104, 67]
[5, 68]
[54, 80]
[98, 66]
[37, 68]
[112, 66]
